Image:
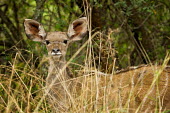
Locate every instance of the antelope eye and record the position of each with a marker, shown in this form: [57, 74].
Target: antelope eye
[65, 41]
[47, 42]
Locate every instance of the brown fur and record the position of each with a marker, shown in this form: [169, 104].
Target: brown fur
[148, 86]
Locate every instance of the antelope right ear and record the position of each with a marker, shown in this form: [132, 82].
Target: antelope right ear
[34, 30]
[77, 29]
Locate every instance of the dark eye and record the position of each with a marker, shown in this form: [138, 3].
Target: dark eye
[65, 41]
[47, 42]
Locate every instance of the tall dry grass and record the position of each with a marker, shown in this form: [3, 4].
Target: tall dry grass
[22, 85]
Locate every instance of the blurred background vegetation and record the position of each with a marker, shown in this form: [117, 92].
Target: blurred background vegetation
[132, 31]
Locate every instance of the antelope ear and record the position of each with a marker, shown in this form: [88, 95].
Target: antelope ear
[34, 30]
[77, 29]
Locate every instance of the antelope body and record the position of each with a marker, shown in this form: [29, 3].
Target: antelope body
[136, 90]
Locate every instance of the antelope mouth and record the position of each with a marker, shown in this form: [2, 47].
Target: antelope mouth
[56, 53]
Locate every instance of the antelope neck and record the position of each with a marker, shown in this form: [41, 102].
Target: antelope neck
[57, 69]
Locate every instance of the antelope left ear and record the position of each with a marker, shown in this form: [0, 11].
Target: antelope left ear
[77, 29]
[34, 30]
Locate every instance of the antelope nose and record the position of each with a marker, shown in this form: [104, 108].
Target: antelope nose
[56, 50]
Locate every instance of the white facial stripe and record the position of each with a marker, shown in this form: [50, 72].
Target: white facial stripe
[53, 53]
[58, 53]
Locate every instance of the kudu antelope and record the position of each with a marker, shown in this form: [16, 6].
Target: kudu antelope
[142, 89]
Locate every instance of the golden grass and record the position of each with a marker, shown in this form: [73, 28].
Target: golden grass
[22, 87]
